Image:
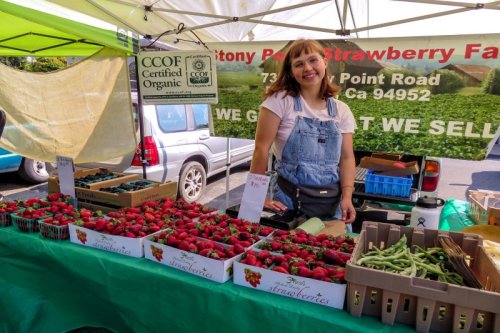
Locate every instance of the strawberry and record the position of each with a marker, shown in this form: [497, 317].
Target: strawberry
[319, 273]
[304, 271]
[238, 248]
[263, 255]
[100, 224]
[280, 269]
[183, 245]
[89, 225]
[250, 260]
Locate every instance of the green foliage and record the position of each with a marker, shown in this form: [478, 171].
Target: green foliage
[388, 72]
[239, 79]
[491, 85]
[39, 64]
[15, 62]
[450, 82]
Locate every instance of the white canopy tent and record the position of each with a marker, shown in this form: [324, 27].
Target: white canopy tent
[190, 24]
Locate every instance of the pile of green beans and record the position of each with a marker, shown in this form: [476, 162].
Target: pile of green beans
[431, 263]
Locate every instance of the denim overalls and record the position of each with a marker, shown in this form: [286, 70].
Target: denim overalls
[312, 152]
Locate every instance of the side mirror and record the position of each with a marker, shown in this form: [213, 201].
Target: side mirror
[3, 120]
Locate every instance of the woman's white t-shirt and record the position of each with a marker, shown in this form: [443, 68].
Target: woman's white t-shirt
[283, 107]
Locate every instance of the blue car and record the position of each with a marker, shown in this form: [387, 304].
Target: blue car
[32, 171]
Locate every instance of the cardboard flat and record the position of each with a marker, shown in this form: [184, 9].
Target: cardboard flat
[387, 168]
[208, 268]
[333, 228]
[293, 286]
[132, 247]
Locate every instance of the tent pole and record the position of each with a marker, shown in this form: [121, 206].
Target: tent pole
[228, 169]
[140, 115]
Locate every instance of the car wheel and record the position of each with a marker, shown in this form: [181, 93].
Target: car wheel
[33, 171]
[192, 181]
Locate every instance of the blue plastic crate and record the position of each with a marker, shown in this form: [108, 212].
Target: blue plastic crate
[388, 185]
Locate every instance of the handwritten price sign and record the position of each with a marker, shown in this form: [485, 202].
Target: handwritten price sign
[253, 198]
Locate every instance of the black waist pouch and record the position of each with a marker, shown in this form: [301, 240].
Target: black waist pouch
[312, 200]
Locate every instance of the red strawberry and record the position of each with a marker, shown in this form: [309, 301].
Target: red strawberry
[319, 273]
[183, 246]
[263, 255]
[275, 246]
[251, 260]
[304, 271]
[281, 269]
[238, 248]
[100, 224]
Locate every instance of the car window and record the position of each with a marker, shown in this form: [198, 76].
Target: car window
[200, 114]
[171, 118]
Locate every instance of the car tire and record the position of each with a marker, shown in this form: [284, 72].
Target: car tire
[33, 171]
[192, 181]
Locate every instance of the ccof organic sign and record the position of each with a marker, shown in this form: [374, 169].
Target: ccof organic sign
[177, 77]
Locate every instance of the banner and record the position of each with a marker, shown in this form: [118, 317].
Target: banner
[436, 96]
[177, 77]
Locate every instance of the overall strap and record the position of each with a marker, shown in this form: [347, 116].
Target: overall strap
[297, 104]
[331, 107]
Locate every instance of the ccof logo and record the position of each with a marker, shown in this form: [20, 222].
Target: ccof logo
[198, 65]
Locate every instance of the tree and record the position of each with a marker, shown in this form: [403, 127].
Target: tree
[491, 85]
[35, 64]
[450, 82]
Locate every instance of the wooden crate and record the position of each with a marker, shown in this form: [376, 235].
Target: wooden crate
[128, 199]
[53, 182]
[481, 208]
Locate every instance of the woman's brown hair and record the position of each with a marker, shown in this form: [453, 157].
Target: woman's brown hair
[287, 82]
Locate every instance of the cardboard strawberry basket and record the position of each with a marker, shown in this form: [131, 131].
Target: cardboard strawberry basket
[55, 232]
[426, 304]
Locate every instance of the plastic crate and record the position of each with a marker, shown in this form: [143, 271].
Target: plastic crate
[51, 231]
[425, 304]
[484, 206]
[388, 185]
[24, 224]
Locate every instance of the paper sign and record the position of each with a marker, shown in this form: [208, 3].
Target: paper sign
[65, 169]
[253, 198]
[178, 77]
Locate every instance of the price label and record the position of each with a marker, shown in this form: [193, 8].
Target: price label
[65, 169]
[253, 198]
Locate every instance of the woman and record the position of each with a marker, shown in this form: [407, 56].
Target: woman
[310, 134]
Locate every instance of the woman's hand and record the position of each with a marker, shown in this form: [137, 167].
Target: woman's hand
[348, 211]
[275, 205]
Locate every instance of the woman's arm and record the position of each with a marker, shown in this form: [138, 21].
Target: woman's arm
[347, 171]
[267, 128]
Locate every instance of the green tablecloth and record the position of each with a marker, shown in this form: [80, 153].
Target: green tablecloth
[50, 286]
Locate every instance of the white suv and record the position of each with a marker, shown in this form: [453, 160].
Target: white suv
[179, 148]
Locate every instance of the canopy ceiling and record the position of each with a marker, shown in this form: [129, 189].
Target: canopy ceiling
[40, 28]
[190, 24]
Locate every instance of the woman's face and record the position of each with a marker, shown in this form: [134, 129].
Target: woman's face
[309, 69]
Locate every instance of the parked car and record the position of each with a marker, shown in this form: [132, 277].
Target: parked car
[30, 170]
[179, 148]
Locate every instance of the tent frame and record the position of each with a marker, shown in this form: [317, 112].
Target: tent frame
[343, 17]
